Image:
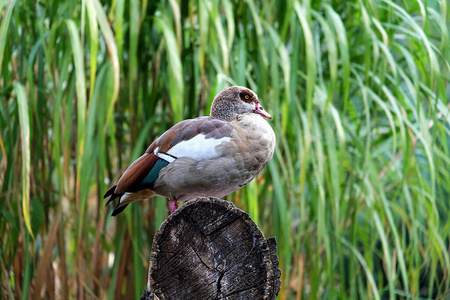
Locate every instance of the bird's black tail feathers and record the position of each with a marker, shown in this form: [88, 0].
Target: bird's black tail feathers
[110, 193]
[118, 209]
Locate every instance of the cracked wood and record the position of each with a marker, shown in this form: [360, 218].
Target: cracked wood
[209, 249]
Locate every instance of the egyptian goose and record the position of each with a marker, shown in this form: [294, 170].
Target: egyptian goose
[203, 157]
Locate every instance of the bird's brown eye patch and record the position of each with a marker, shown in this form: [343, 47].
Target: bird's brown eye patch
[246, 96]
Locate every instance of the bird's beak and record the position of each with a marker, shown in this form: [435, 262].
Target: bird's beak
[260, 110]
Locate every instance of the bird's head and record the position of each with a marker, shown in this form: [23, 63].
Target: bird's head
[236, 100]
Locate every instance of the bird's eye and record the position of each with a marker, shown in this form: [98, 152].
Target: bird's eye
[246, 96]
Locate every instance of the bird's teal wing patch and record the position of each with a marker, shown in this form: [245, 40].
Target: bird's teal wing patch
[154, 172]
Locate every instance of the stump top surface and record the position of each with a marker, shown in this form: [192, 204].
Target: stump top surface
[209, 249]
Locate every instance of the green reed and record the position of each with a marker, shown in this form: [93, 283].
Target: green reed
[357, 193]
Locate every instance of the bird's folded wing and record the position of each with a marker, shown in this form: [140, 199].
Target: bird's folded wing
[132, 179]
[195, 138]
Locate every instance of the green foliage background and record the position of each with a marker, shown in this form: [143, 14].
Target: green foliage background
[358, 191]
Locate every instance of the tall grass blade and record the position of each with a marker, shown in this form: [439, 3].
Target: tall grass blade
[93, 33]
[26, 152]
[356, 193]
[4, 28]
[175, 69]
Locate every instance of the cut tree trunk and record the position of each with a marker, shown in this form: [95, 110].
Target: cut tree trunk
[209, 249]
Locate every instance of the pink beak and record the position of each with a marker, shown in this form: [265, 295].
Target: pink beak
[260, 110]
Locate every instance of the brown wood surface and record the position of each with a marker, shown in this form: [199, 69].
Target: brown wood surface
[209, 249]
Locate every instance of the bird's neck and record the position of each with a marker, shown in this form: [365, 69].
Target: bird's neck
[223, 111]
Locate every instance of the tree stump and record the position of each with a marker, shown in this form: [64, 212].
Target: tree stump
[209, 249]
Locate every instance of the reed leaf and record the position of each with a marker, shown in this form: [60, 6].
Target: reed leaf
[356, 193]
[26, 152]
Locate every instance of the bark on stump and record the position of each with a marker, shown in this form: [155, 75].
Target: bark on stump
[209, 249]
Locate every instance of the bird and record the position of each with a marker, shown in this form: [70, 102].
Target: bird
[209, 156]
